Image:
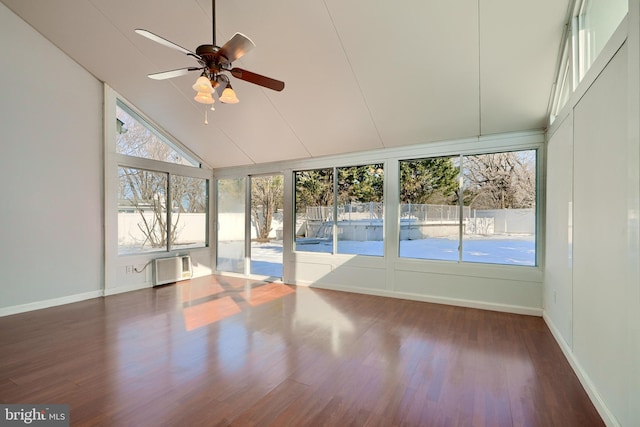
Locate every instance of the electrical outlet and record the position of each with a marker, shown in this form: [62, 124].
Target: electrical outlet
[129, 269]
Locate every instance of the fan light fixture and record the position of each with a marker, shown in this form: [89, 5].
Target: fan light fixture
[229, 95]
[204, 89]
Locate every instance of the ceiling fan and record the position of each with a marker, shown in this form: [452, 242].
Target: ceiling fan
[214, 62]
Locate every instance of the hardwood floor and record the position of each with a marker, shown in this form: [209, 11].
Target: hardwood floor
[219, 351]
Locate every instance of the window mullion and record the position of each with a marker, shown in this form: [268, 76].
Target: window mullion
[460, 206]
[335, 210]
[169, 202]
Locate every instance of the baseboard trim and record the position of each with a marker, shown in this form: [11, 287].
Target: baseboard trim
[130, 288]
[482, 305]
[38, 305]
[588, 385]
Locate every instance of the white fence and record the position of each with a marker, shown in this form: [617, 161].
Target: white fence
[231, 226]
[357, 221]
[510, 221]
[363, 221]
[192, 228]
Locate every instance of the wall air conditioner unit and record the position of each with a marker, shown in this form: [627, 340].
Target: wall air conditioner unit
[170, 270]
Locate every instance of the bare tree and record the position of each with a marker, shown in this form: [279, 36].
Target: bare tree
[146, 192]
[266, 199]
[500, 180]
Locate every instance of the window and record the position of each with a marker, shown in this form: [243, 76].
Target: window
[142, 211]
[231, 225]
[597, 21]
[592, 24]
[190, 201]
[429, 208]
[314, 210]
[136, 137]
[351, 207]
[144, 222]
[162, 206]
[267, 204]
[360, 210]
[500, 200]
[490, 219]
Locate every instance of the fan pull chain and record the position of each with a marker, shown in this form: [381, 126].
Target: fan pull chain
[206, 121]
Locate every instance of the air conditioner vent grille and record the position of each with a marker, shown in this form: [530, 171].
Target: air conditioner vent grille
[170, 270]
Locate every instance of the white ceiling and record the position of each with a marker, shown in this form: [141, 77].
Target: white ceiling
[359, 75]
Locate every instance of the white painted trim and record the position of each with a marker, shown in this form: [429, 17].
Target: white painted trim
[504, 308]
[39, 305]
[606, 414]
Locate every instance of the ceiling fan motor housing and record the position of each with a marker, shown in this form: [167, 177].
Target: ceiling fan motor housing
[211, 60]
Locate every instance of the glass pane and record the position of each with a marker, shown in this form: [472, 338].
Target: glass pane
[500, 191]
[267, 199]
[314, 211]
[134, 137]
[190, 201]
[598, 21]
[231, 234]
[361, 210]
[142, 211]
[429, 208]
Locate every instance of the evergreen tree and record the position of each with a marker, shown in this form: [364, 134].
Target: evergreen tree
[432, 180]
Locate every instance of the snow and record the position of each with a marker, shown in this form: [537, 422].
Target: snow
[266, 258]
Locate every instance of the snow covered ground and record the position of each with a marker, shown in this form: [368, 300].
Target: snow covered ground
[266, 258]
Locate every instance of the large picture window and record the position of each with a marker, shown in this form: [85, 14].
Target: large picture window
[490, 219]
[144, 222]
[344, 215]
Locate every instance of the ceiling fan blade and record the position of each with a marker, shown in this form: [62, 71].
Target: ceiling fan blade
[235, 48]
[257, 79]
[173, 73]
[163, 41]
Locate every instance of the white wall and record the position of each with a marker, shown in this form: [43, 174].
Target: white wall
[599, 232]
[51, 218]
[591, 255]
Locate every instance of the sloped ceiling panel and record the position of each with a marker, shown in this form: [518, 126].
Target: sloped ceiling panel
[416, 64]
[359, 75]
[321, 101]
[519, 45]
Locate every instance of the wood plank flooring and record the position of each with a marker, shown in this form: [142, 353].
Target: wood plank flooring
[218, 351]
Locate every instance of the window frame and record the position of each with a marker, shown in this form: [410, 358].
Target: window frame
[116, 160]
[460, 191]
[335, 206]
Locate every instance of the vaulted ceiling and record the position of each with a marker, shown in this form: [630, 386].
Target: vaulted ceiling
[359, 75]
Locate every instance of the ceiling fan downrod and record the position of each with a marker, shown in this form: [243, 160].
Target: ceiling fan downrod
[213, 20]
